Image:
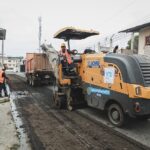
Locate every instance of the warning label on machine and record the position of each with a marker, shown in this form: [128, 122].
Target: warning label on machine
[109, 75]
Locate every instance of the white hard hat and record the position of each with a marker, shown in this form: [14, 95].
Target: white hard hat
[63, 45]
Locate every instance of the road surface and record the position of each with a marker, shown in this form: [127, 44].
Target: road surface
[49, 128]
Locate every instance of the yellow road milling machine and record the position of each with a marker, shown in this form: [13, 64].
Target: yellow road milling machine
[117, 83]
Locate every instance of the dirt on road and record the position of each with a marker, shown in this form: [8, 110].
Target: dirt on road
[52, 129]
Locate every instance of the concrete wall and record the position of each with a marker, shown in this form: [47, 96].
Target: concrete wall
[143, 49]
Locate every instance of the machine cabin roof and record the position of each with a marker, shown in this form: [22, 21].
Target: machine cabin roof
[74, 34]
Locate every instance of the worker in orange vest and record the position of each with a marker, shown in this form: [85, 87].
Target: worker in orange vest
[67, 61]
[3, 77]
[65, 53]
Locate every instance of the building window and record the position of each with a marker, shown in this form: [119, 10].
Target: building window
[147, 40]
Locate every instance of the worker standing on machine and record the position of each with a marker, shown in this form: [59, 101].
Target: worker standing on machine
[67, 62]
[65, 53]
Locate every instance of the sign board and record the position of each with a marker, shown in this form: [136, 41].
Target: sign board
[93, 64]
[2, 34]
[109, 75]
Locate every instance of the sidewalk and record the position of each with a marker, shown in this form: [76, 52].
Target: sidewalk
[8, 133]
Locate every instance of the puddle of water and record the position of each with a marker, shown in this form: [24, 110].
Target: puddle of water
[24, 144]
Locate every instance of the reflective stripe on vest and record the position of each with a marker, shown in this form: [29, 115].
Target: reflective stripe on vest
[68, 56]
[1, 78]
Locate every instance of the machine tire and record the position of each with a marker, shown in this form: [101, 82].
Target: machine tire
[116, 115]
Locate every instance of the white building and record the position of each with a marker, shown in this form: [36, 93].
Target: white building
[13, 63]
[144, 37]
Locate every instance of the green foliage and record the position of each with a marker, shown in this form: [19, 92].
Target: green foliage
[136, 42]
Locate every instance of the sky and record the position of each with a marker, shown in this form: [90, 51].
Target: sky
[20, 19]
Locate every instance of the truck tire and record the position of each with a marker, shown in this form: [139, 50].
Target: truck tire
[116, 115]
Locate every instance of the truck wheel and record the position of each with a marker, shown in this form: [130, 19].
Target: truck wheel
[116, 115]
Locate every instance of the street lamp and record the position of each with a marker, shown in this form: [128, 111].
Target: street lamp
[2, 38]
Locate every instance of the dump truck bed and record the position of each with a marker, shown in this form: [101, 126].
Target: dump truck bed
[37, 62]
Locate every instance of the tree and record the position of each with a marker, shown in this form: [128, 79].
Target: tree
[136, 42]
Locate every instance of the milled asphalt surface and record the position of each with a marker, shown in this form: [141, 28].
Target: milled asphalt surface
[51, 128]
[135, 129]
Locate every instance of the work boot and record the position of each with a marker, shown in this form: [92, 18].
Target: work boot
[6, 95]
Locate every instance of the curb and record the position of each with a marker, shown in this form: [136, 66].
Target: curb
[4, 99]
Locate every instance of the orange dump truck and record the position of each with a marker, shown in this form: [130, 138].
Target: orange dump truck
[38, 69]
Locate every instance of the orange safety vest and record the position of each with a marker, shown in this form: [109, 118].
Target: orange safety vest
[1, 77]
[68, 56]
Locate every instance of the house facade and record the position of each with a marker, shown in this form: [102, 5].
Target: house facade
[13, 63]
[144, 38]
[144, 41]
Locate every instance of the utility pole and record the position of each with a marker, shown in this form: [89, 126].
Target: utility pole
[2, 38]
[2, 52]
[132, 41]
[111, 42]
[40, 32]
[99, 46]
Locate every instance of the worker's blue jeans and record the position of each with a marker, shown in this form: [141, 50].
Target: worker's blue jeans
[3, 87]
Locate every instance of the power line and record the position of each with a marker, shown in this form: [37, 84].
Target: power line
[118, 13]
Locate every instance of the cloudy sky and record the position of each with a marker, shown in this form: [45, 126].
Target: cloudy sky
[20, 18]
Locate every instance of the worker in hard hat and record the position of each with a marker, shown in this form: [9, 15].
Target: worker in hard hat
[65, 53]
[67, 61]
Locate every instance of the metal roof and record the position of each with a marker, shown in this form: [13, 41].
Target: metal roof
[136, 28]
[68, 33]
